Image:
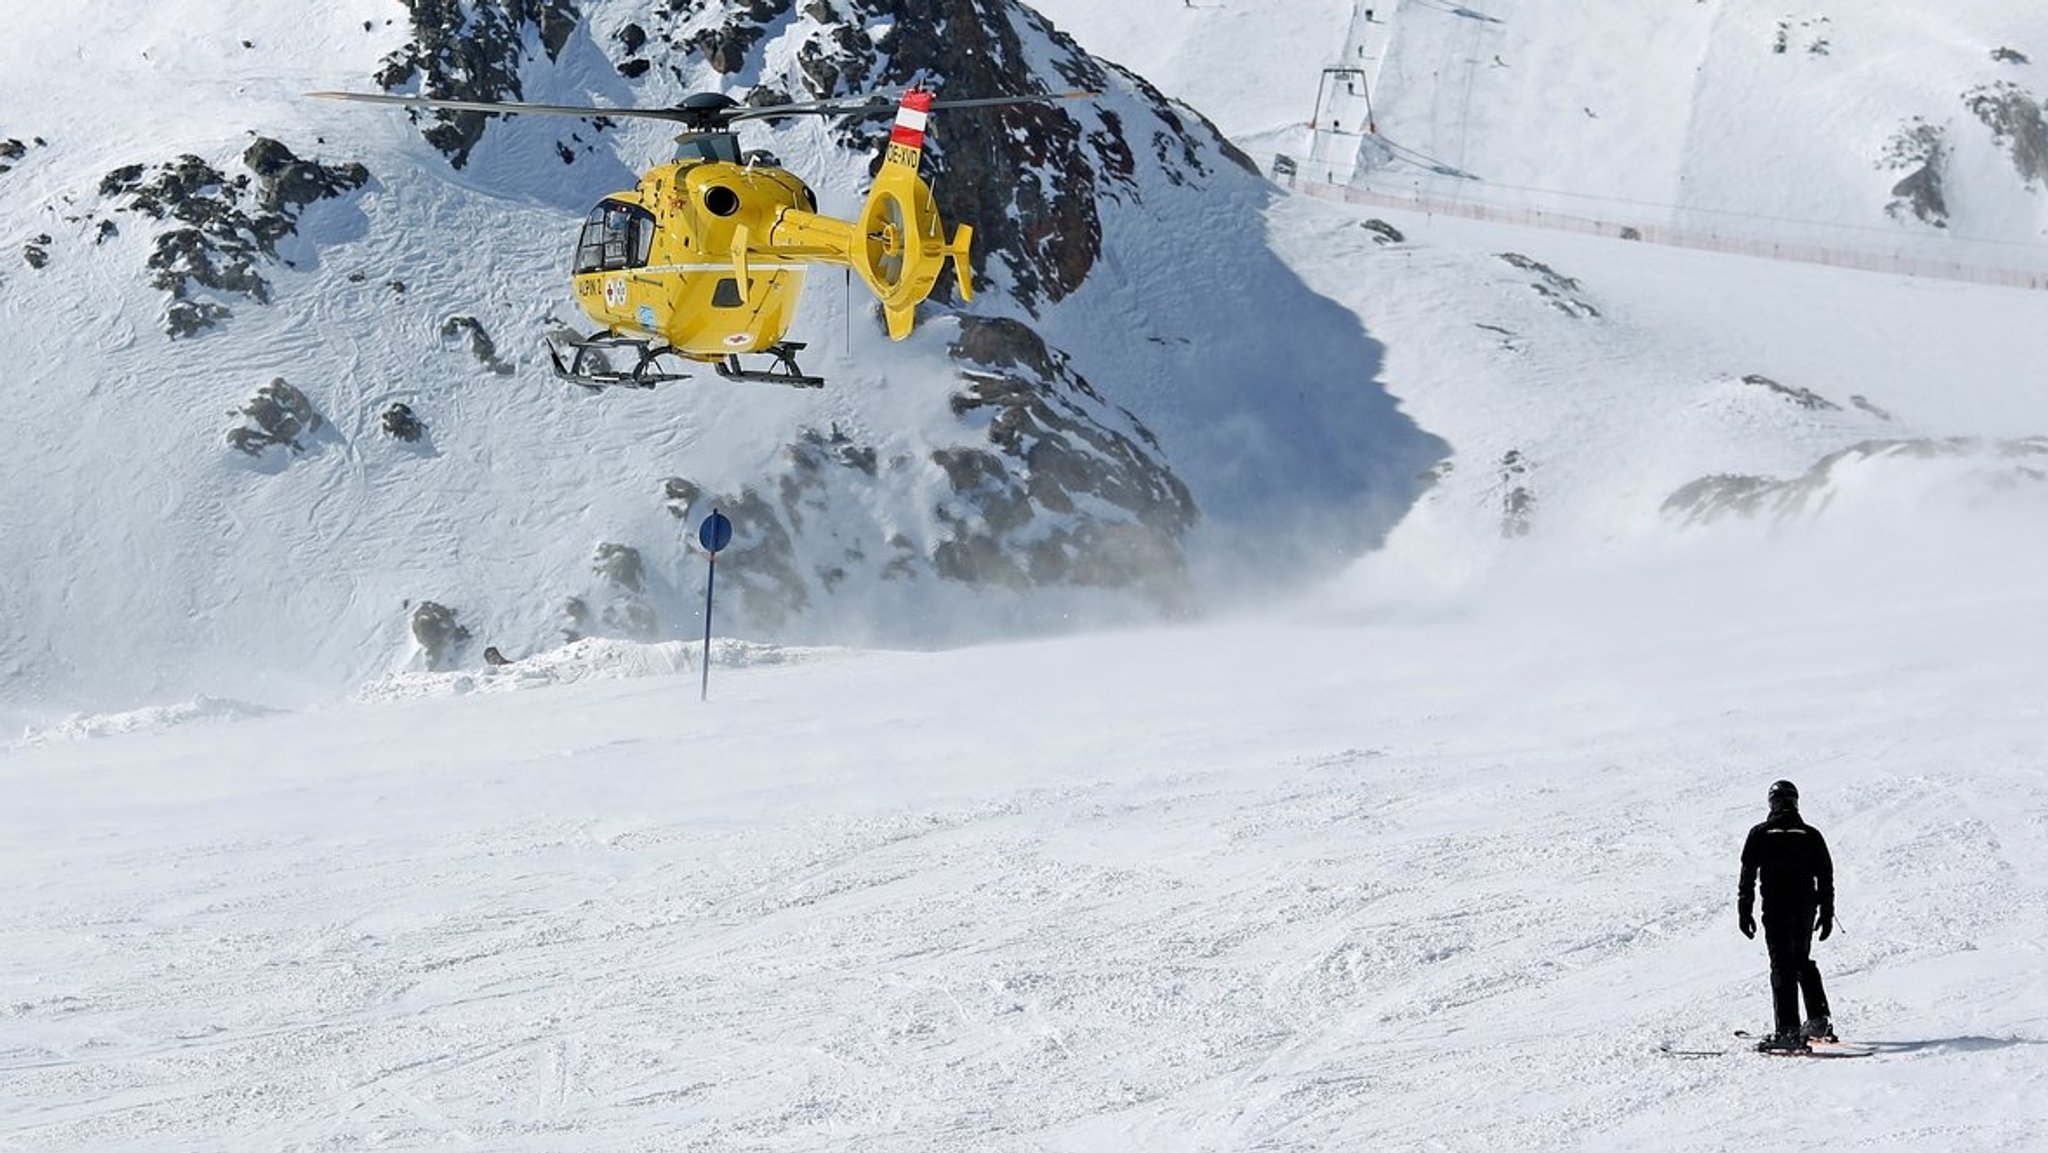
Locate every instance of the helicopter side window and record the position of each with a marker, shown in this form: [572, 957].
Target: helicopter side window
[615, 235]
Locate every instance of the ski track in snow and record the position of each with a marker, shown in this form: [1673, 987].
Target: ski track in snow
[1435, 861]
[1437, 886]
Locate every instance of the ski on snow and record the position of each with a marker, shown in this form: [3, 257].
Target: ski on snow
[1825, 1049]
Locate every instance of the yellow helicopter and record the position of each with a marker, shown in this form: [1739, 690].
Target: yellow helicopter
[704, 260]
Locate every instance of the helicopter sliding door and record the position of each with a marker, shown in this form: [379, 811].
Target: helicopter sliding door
[615, 235]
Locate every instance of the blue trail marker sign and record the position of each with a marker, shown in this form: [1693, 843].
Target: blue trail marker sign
[714, 534]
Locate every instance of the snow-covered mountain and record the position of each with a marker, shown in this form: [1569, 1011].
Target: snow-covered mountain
[1438, 854]
[309, 336]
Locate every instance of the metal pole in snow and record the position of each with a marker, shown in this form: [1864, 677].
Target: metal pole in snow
[710, 579]
[714, 534]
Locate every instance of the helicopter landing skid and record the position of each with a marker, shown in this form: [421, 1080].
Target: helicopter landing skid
[589, 368]
[785, 371]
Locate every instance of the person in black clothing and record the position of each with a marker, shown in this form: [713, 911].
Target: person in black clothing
[1799, 893]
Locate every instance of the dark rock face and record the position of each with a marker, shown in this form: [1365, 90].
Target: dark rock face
[481, 345]
[12, 151]
[1803, 397]
[623, 610]
[441, 637]
[399, 421]
[1054, 446]
[763, 567]
[1517, 495]
[472, 50]
[1993, 466]
[1920, 150]
[2017, 122]
[1064, 491]
[1558, 290]
[278, 415]
[1030, 176]
[223, 227]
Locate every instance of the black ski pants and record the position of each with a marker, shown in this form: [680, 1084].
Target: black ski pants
[1793, 973]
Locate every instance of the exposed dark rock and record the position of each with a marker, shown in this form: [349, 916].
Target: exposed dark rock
[1030, 176]
[279, 414]
[1517, 498]
[1921, 150]
[1811, 32]
[1864, 404]
[399, 421]
[2017, 124]
[1559, 291]
[761, 563]
[286, 183]
[623, 611]
[37, 250]
[2004, 55]
[1994, 466]
[1382, 232]
[441, 637]
[577, 613]
[1117, 514]
[472, 50]
[1804, 398]
[481, 345]
[621, 565]
[224, 227]
[12, 149]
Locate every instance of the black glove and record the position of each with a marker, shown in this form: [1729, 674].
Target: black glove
[1827, 923]
[1748, 924]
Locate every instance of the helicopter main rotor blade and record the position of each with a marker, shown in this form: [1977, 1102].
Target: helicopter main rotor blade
[880, 104]
[506, 106]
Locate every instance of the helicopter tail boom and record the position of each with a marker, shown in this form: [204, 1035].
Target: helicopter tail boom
[897, 244]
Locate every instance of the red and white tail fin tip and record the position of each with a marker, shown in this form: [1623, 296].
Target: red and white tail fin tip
[912, 114]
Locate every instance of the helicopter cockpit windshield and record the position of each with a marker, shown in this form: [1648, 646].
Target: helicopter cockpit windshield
[615, 235]
[720, 146]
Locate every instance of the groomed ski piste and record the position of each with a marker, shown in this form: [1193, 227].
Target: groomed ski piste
[1438, 855]
[1335, 878]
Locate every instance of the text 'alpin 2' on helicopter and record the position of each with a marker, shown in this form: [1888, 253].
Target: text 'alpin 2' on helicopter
[705, 258]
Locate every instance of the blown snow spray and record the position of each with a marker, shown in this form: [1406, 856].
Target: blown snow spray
[714, 534]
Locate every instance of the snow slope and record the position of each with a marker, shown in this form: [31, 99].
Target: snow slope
[1435, 858]
[1679, 114]
[292, 576]
[1323, 881]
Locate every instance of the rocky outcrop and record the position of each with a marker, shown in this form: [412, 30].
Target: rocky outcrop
[1920, 150]
[2018, 125]
[1517, 495]
[278, 416]
[1985, 466]
[1030, 176]
[222, 229]
[13, 151]
[473, 50]
[1061, 490]
[1054, 447]
[1561, 292]
[470, 330]
[400, 422]
[440, 636]
[1805, 398]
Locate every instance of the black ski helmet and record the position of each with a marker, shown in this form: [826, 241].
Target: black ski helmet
[1784, 795]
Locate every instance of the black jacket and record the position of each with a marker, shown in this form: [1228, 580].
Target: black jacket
[1798, 874]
